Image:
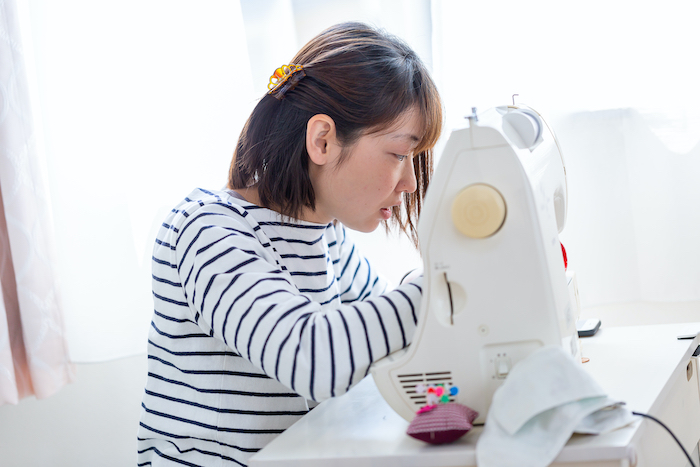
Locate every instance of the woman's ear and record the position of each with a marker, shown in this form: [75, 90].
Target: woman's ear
[320, 139]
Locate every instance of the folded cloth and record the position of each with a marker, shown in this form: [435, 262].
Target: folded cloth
[546, 397]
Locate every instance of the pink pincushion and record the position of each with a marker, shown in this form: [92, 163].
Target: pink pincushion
[442, 424]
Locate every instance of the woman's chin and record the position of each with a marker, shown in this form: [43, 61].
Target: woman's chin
[362, 226]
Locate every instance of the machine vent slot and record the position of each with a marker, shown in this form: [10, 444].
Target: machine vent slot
[408, 383]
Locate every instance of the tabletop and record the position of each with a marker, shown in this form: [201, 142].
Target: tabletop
[633, 364]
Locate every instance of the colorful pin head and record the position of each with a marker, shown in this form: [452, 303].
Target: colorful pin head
[435, 394]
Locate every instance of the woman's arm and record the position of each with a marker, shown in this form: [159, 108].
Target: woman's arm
[240, 296]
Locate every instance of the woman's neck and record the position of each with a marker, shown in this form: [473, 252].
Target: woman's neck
[250, 194]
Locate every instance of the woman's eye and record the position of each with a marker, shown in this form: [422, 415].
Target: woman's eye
[400, 157]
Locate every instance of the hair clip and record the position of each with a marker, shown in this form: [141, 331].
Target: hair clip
[284, 79]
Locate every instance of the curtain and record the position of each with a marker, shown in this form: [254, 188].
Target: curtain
[616, 80]
[33, 351]
[634, 217]
[142, 101]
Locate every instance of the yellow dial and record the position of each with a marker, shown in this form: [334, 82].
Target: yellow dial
[478, 211]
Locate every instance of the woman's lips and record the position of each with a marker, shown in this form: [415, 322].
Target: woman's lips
[386, 213]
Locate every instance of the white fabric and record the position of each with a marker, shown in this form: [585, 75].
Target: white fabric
[33, 351]
[137, 107]
[150, 94]
[156, 99]
[545, 399]
[623, 104]
[634, 217]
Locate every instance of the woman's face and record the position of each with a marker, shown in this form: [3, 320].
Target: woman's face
[373, 177]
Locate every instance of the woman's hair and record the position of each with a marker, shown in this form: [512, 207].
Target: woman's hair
[365, 80]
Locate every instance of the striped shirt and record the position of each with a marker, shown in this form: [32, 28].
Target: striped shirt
[254, 320]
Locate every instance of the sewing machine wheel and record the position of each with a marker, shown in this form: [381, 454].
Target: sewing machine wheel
[478, 211]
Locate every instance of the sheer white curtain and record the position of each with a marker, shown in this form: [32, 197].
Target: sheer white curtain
[618, 80]
[141, 102]
[33, 351]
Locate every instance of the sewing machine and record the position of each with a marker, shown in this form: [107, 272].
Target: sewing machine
[495, 287]
[493, 293]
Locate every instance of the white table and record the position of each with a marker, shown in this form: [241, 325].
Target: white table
[645, 366]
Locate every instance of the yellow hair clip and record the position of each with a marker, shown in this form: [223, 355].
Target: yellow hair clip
[282, 75]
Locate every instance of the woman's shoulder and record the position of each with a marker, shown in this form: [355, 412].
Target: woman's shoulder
[202, 202]
[203, 199]
[212, 205]
[225, 206]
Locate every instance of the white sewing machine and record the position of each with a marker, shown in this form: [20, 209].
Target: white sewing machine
[492, 295]
[495, 285]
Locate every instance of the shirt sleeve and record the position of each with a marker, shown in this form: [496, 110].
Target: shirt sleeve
[357, 279]
[239, 295]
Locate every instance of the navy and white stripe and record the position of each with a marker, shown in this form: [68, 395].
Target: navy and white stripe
[254, 317]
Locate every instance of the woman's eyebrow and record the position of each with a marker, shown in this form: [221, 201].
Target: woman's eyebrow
[406, 136]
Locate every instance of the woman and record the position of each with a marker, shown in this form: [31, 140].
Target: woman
[263, 305]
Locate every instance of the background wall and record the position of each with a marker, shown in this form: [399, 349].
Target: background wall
[90, 423]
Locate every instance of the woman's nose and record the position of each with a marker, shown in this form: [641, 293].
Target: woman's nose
[408, 181]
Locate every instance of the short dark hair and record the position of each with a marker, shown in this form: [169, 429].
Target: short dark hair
[365, 80]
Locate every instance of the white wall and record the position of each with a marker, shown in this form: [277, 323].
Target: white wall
[89, 423]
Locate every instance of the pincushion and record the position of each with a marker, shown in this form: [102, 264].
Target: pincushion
[442, 423]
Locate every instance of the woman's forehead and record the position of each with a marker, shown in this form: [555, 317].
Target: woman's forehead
[407, 128]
